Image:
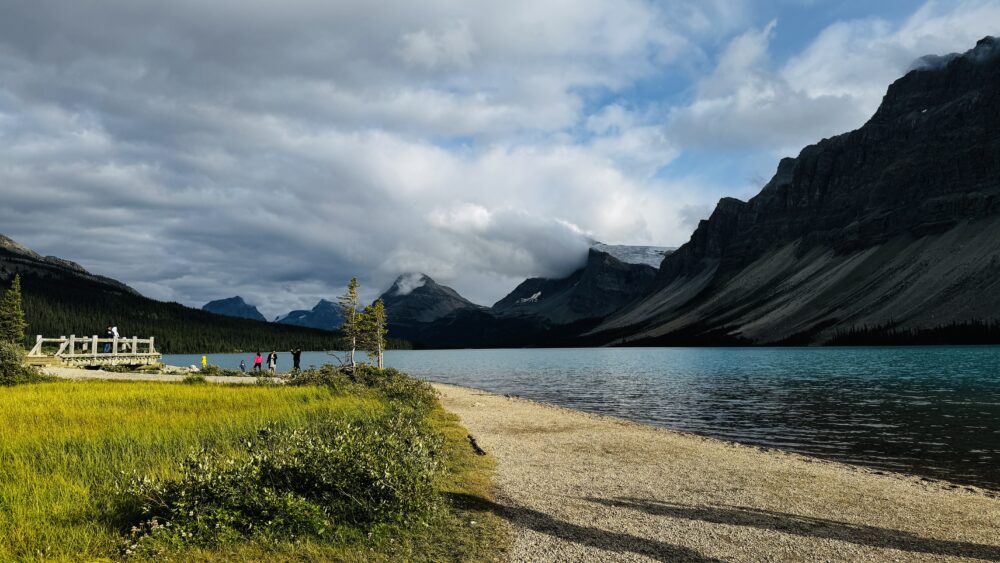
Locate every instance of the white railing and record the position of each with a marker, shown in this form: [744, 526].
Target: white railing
[76, 348]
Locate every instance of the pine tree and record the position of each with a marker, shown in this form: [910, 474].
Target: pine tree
[352, 328]
[374, 331]
[12, 325]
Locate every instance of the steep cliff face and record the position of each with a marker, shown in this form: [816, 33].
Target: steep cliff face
[894, 223]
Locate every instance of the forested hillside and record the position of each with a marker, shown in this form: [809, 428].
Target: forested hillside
[58, 306]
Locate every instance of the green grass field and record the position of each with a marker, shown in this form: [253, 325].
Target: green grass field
[64, 446]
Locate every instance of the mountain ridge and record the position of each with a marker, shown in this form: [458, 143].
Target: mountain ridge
[324, 315]
[893, 223]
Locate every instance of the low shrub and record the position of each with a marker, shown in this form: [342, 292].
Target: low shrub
[194, 378]
[306, 482]
[326, 375]
[12, 368]
[216, 370]
[132, 369]
[396, 386]
[391, 384]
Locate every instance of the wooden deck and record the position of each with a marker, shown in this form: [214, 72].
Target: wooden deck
[91, 351]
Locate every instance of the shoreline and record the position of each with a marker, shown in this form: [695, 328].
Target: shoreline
[904, 475]
[584, 486]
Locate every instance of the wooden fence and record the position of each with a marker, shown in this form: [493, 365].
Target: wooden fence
[93, 351]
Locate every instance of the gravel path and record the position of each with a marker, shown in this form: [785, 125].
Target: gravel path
[580, 487]
[77, 373]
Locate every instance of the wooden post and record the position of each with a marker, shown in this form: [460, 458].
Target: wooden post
[152, 350]
[114, 346]
[135, 345]
[93, 349]
[37, 350]
[72, 344]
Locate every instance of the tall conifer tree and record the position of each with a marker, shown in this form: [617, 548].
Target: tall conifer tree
[374, 331]
[12, 325]
[352, 328]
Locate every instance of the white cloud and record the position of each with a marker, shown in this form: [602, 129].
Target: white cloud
[453, 45]
[832, 87]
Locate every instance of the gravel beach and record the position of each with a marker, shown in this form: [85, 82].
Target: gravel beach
[581, 487]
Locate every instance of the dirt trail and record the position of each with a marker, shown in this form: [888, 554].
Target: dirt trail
[580, 487]
[77, 373]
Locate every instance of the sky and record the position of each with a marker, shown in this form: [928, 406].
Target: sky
[199, 150]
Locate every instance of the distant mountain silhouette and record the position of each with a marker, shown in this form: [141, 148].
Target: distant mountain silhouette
[325, 315]
[233, 307]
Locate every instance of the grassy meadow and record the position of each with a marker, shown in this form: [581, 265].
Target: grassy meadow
[67, 447]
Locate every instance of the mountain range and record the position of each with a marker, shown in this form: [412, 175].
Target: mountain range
[539, 311]
[887, 233]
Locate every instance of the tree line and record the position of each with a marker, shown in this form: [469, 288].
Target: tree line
[60, 306]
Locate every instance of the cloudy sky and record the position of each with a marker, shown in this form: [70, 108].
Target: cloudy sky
[199, 150]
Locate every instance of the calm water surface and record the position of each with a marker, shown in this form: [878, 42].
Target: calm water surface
[934, 411]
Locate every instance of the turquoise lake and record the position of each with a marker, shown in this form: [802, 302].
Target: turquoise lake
[932, 411]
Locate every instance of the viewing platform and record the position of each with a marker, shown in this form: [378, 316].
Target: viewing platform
[91, 351]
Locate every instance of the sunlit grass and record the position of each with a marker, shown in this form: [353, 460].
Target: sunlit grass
[63, 446]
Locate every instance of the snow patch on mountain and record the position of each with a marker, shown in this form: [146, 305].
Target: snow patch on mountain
[533, 299]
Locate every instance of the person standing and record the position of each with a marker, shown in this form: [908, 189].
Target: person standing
[257, 361]
[243, 366]
[296, 359]
[107, 345]
[272, 361]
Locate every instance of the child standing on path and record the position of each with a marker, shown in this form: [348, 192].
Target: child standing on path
[257, 361]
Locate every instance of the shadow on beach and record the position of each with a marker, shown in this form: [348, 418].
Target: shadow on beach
[522, 517]
[812, 527]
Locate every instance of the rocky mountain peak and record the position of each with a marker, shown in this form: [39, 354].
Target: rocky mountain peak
[416, 298]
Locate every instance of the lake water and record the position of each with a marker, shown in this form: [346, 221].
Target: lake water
[933, 411]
